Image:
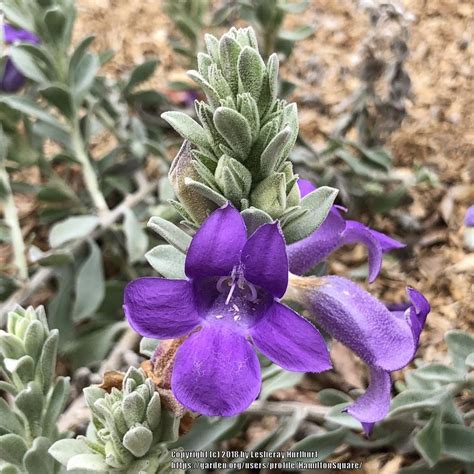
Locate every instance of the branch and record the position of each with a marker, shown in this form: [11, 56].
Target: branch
[306, 411]
[77, 414]
[41, 277]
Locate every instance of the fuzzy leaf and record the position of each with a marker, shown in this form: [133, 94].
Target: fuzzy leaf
[460, 345]
[254, 218]
[251, 72]
[47, 362]
[170, 232]
[235, 129]
[9, 420]
[138, 440]
[75, 227]
[274, 152]
[37, 459]
[56, 402]
[458, 442]
[318, 203]
[167, 260]
[270, 195]
[428, 440]
[205, 191]
[187, 128]
[90, 285]
[324, 444]
[12, 449]
[136, 238]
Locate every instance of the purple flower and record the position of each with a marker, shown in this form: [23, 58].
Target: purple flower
[333, 233]
[469, 217]
[385, 340]
[231, 295]
[12, 79]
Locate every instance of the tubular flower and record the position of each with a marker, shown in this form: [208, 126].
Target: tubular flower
[333, 233]
[231, 295]
[11, 79]
[385, 340]
[469, 217]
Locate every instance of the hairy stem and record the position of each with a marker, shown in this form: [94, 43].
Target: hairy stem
[90, 178]
[13, 222]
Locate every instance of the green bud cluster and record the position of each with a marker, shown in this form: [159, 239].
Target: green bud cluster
[28, 351]
[240, 150]
[128, 433]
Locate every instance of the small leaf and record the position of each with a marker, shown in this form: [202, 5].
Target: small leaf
[323, 445]
[90, 285]
[141, 73]
[167, 260]
[413, 400]
[460, 345]
[37, 459]
[297, 34]
[254, 218]
[251, 72]
[55, 21]
[188, 128]
[331, 397]
[88, 462]
[75, 227]
[458, 442]
[12, 449]
[170, 232]
[9, 420]
[47, 362]
[56, 402]
[278, 380]
[339, 417]
[27, 64]
[61, 98]
[136, 238]
[83, 75]
[26, 106]
[318, 203]
[235, 129]
[205, 191]
[64, 449]
[428, 440]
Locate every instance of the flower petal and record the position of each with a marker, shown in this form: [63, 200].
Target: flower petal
[290, 341]
[160, 308]
[305, 186]
[12, 34]
[387, 243]
[356, 232]
[419, 310]
[305, 254]
[216, 247]
[265, 260]
[361, 322]
[216, 372]
[469, 217]
[374, 404]
[12, 79]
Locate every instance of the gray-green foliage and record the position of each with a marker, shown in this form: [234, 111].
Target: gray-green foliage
[129, 431]
[68, 102]
[28, 363]
[429, 416]
[241, 145]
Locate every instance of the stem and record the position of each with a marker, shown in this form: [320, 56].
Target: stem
[90, 178]
[42, 276]
[11, 219]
